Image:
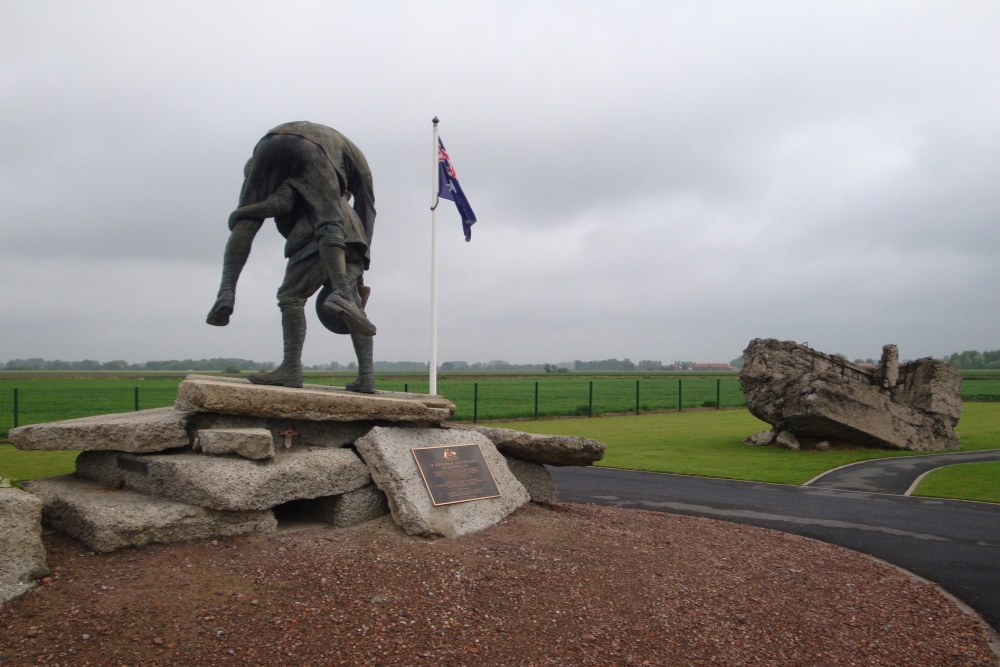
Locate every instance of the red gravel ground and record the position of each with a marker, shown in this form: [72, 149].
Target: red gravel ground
[553, 584]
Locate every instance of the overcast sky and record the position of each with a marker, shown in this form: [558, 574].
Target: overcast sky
[653, 180]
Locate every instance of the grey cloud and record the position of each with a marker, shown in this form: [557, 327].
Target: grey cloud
[660, 181]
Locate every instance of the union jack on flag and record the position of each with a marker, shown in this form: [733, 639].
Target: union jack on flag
[448, 188]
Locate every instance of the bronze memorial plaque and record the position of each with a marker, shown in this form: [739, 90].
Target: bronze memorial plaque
[455, 474]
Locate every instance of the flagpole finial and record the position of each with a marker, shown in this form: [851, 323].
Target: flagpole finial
[435, 120]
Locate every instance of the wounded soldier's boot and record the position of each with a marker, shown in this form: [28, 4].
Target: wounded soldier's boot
[282, 376]
[289, 373]
[223, 308]
[343, 303]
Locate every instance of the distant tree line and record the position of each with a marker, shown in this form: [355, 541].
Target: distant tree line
[604, 365]
[232, 365]
[498, 365]
[217, 364]
[971, 359]
[421, 366]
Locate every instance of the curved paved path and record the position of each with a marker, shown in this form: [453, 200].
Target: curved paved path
[954, 543]
[897, 475]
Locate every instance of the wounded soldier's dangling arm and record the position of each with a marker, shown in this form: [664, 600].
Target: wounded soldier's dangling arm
[278, 203]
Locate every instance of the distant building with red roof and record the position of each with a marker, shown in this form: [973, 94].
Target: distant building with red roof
[711, 367]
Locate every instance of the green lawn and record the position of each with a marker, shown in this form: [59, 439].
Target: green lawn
[706, 443]
[966, 481]
[709, 443]
[18, 465]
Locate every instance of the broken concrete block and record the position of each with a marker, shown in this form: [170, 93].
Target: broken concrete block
[235, 396]
[110, 519]
[305, 433]
[819, 397]
[153, 430]
[22, 554]
[535, 478]
[387, 451]
[760, 438]
[554, 450]
[250, 443]
[229, 483]
[351, 508]
[786, 440]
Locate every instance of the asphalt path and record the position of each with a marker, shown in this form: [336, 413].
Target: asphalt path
[954, 543]
[896, 475]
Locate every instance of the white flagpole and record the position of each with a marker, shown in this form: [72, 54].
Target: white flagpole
[434, 203]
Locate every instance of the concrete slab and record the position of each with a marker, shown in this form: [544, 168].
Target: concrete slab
[236, 396]
[142, 431]
[110, 519]
[229, 483]
[22, 554]
[553, 450]
[305, 433]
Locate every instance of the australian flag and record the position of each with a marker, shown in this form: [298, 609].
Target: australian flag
[448, 188]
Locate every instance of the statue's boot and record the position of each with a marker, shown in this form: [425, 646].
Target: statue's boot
[289, 373]
[223, 308]
[365, 382]
[344, 301]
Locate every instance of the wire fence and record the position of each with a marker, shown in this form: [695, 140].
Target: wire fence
[20, 407]
[474, 401]
[527, 399]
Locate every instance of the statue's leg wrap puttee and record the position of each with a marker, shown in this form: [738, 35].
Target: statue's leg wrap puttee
[365, 383]
[293, 329]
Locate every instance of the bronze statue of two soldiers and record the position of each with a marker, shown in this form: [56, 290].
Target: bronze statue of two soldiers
[317, 186]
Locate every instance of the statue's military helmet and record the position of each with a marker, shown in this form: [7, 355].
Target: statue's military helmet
[335, 323]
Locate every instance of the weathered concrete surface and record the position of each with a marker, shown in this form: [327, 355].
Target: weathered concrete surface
[142, 431]
[351, 508]
[553, 450]
[821, 398]
[386, 450]
[235, 396]
[22, 554]
[535, 478]
[305, 433]
[229, 483]
[250, 443]
[110, 519]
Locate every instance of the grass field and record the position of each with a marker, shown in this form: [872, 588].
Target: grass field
[40, 398]
[967, 481]
[18, 465]
[29, 398]
[709, 443]
[697, 441]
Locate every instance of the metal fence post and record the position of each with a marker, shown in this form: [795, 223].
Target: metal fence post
[137, 399]
[636, 397]
[15, 408]
[680, 394]
[718, 393]
[590, 401]
[536, 399]
[475, 402]
[406, 387]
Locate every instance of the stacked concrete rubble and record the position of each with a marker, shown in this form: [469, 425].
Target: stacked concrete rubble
[815, 401]
[230, 453]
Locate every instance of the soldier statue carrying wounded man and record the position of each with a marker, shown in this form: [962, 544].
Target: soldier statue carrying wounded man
[304, 176]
